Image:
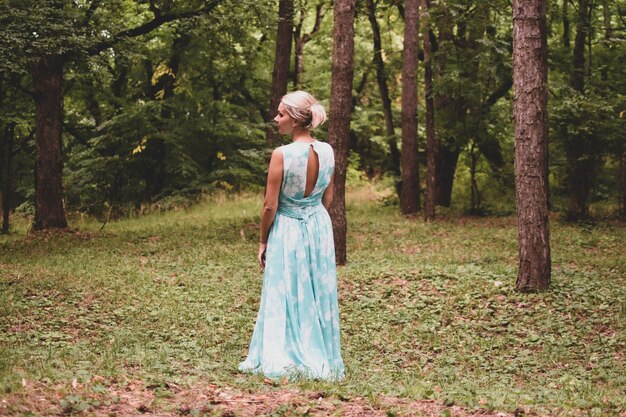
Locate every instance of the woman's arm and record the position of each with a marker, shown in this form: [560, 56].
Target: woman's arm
[327, 197]
[270, 204]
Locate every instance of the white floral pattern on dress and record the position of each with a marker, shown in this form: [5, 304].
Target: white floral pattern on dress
[297, 327]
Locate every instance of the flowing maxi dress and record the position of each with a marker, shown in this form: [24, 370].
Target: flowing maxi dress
[297, 327]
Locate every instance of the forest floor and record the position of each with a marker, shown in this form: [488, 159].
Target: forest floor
[152, 315]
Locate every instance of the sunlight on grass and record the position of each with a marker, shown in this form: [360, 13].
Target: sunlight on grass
[428, 310]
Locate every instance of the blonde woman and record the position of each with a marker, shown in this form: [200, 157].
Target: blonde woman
[297, 327]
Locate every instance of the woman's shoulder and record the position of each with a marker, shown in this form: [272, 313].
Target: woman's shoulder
[324, 146]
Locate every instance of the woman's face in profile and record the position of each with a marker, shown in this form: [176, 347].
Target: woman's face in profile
[284, 122]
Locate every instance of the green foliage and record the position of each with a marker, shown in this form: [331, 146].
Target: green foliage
[180, 110]
[171, 299]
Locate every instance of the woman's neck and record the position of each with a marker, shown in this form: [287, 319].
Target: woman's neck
[302, 135]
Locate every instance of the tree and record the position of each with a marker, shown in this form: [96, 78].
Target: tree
[471, 73]
[301, 39]
[381, 78]
[66, 32]
[340, 114]
[410, 195]
[280, 74]
[582, 155]
[531, 143]
[7, 141]
[47, 74]
[431, 140]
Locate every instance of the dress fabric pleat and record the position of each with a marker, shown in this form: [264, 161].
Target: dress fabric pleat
[297, 327]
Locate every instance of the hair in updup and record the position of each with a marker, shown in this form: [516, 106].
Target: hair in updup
[304, 109]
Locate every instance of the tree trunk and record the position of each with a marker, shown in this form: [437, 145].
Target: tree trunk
[581, 165]
[531, 143]
[4, 134]
[48, 77]
[381, 78]
[339, 115]
[608, 32]
[622, 185]
[565, 20]
[280, 74]
[410, 196]
[158, 149]
[300, 40]
[447, 147]
[578, 58]
[7, 182]
[475, 193]
[431, 140]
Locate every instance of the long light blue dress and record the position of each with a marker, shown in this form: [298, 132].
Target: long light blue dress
[297, 327]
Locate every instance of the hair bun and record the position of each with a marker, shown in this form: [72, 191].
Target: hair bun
[318, 115]
[304, 109]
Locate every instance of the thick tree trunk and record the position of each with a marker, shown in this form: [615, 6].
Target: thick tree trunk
[381, 78]
[48, 77]
[340, 114]
[410, 195]
[431, 140]
[280, 74]
[531, 143]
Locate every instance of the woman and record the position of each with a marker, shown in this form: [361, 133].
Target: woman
[297, 327]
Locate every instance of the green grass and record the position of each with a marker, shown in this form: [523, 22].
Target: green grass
[428, 311]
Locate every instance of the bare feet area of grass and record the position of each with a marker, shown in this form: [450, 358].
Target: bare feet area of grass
[134, 398]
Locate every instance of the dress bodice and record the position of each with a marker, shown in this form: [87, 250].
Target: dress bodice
[295, 159]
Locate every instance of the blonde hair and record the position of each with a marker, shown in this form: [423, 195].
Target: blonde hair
[304, 109]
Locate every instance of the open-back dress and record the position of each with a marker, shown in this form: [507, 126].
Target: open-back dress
[297, 327]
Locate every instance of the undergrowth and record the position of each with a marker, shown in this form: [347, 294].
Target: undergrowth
[428, 310]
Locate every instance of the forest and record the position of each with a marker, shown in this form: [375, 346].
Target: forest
[162, 101]
[135, 137]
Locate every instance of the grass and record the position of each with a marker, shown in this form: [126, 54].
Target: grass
[428, 311]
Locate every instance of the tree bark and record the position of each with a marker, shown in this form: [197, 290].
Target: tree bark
[531, 143]
[340, 114]
[48, 78]
[381, 78]
[410, 196]
[280, 74]
[431, 140]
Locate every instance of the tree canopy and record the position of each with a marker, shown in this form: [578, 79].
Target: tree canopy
[164, 100]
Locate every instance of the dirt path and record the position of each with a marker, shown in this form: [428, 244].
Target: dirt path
[133, 398]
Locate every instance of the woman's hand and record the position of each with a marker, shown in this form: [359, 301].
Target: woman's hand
[262, 249]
